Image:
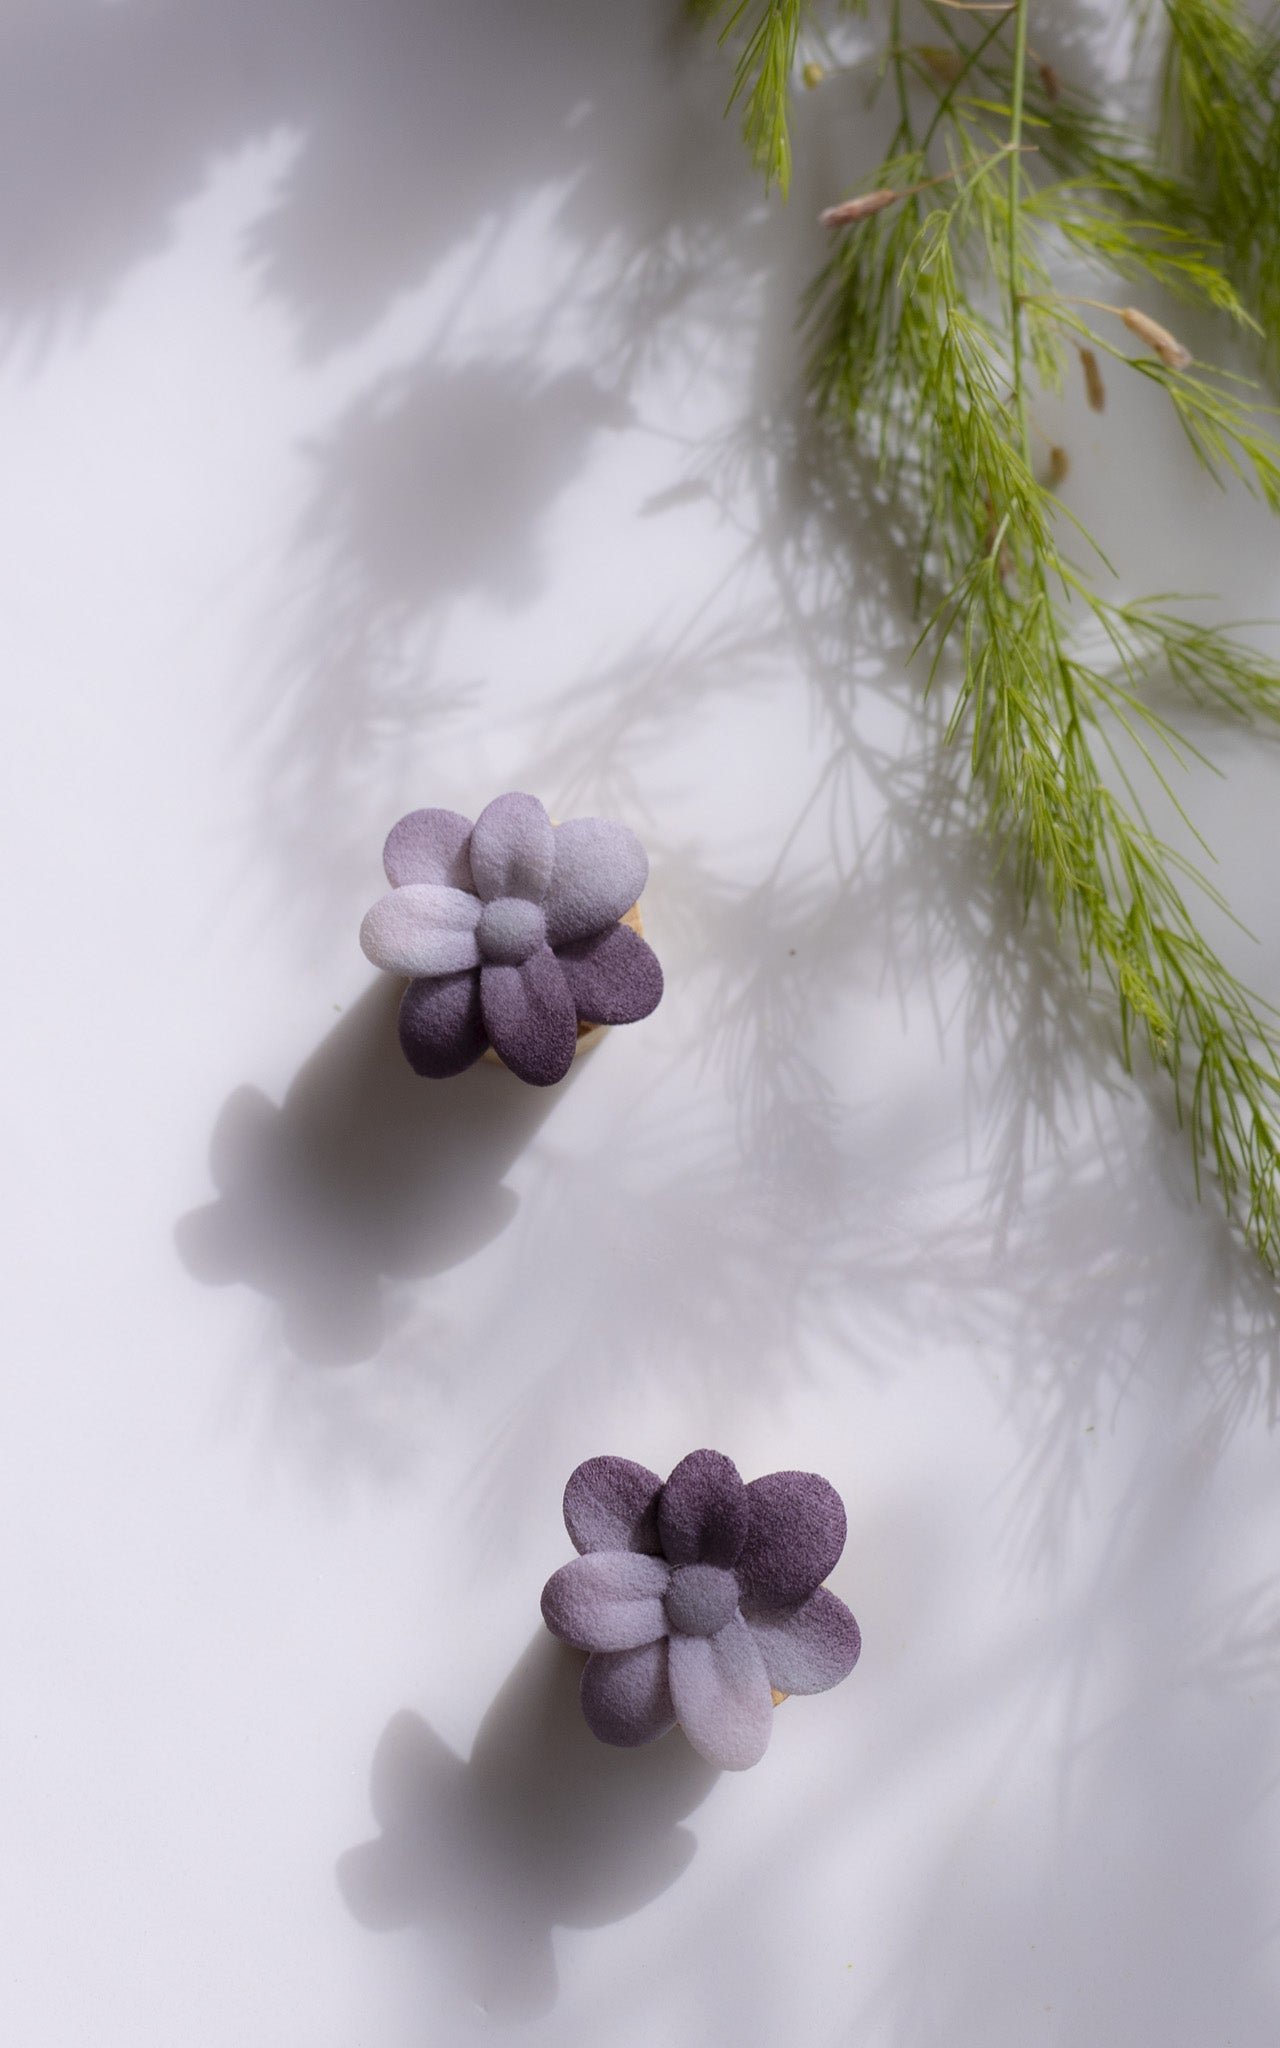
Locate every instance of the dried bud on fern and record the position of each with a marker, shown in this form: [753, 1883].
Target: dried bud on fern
[1166, 345]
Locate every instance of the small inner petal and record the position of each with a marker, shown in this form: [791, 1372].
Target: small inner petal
[701, 1599]
[510, 930]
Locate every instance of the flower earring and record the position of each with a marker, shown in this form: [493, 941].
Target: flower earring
[700, 1601]
[514, 934]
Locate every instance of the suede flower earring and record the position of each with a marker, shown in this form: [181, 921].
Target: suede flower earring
[514, 934]
[700, 1601]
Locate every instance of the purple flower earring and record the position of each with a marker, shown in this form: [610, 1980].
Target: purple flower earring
[514, 934]
[700, 1602]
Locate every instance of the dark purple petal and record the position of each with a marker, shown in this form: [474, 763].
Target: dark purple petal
[512, 849]
[702, 1514]
[608, 1600]
[806, 1648]
[422, 929]
[795, 1534]
[612, 1504]
[720, 1691]
[530, 1018]
[600, 869]
[614, 978]
[429, 846]
[441, 1027]
[626, 1699]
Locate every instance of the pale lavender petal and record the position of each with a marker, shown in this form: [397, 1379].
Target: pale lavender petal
[530, 1018]
[512, 849]
[600, 870]
[795, 1534]
[806, 1648]
[611, 1504]
[429, 846]
[626, 1699]
[441, 1028]
[614, 978]
[721, 1694]
[422, 929]
[609, 1600]
[702, 1515]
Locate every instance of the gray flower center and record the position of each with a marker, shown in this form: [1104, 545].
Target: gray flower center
[510, 929]
[700, 1599]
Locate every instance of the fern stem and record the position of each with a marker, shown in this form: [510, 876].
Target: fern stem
[899, 72]
[1015, 227]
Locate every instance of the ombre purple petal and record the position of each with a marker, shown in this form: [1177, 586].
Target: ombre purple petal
[795, 1534]
[441, 1028]
[702, 1512]
[721, 1695]
[422, 928]
[512, 849]
[806, 1648]
[429, 846]
[626, 1698]
[608, 1600]
[614, 978]
[612, 1504]
[530, 1018]
[600, 869]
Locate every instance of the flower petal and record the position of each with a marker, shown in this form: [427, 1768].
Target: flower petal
[512, 849]
[429, 846]
[626, 1699]
[441, 1029]
[422, 929]
[610, 1600]
[806, 1648]
[614, 978]
[720, 1691]
[600, 870]
[795, 1534]
[611, 1504]
[702, 1515]
[530, 1018]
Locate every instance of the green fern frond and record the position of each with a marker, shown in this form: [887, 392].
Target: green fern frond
[768, 32]
[933, 321]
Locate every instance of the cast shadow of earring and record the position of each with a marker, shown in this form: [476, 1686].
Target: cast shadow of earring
[541, 1827]
[364, 1178]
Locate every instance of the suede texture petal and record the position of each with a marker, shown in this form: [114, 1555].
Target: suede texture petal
[512, 849]
[702, 1515]
[429, 846]
[530, 1018]
[795, 1535]
[422, 928]
[600, 870]
[612, 1504]
[441, 1026]
[614, 978]
[608, 1600]
[721, 1695]
[626, 1698]
[807, 1648]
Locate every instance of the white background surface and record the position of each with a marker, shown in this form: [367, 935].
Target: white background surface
[395, 410]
